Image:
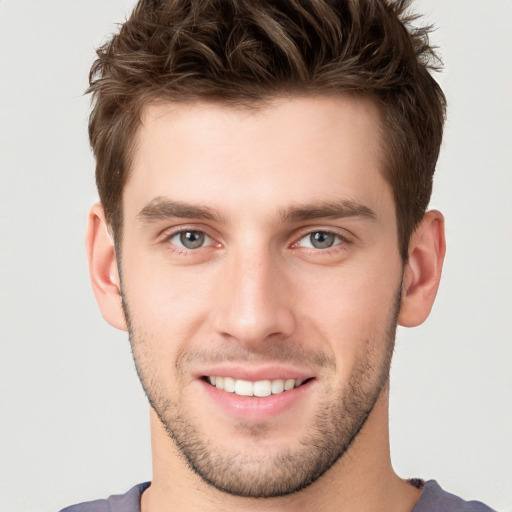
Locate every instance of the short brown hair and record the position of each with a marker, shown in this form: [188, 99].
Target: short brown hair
[244, 51]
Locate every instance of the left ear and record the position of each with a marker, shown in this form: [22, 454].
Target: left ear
[423, 270]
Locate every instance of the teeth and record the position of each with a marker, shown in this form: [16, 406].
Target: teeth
[289, 384]
[277, 386]
[229, 384]
[260, 388]
[244, 388]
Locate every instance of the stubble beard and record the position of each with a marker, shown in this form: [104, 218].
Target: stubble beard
[337, 423]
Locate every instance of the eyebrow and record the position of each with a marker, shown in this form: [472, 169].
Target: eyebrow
[329, 210]
[161, 208]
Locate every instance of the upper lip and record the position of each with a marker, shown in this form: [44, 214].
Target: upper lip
[245, 371]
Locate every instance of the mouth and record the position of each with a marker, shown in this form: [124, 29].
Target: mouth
[258, 394]
[259, 388]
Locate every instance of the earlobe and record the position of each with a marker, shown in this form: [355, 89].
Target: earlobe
[103, 270]
[423, 270]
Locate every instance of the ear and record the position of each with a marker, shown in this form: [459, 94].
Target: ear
[423, 270]
[103, 270]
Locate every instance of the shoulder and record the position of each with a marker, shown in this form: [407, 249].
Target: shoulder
[129, 502]
[435, 499]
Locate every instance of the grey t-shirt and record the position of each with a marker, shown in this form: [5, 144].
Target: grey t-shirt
[432, 499]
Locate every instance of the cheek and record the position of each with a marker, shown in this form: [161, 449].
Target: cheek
[167, 307]
[353, 309]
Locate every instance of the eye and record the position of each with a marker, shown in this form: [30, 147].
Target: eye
[320, 240]
[190, 239]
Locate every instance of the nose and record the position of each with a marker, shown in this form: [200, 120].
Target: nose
[254, 300]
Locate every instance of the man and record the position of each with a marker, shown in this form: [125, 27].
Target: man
[264, 170]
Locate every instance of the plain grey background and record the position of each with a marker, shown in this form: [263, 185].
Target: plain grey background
[73, 420]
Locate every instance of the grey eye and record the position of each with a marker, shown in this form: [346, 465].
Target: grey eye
[320, 240]
[191, 239]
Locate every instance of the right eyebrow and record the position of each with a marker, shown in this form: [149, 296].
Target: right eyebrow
[161, 208]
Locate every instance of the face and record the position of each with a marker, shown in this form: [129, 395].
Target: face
[261, 281]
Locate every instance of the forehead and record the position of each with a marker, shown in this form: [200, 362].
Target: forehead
[288, 150]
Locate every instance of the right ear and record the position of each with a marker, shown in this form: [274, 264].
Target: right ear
[101, 255]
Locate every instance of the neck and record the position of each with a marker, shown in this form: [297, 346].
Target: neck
[363, 479]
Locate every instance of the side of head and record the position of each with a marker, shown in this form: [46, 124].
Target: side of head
[241, 52]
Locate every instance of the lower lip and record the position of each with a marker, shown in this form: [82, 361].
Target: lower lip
[252, 408]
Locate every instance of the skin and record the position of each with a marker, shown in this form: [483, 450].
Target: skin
[257, 299]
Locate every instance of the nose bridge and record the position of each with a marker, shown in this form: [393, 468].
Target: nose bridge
[253, 303]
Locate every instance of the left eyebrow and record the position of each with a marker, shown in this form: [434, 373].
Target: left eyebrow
[329, 210]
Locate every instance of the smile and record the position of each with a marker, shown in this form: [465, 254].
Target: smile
[260, 388]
